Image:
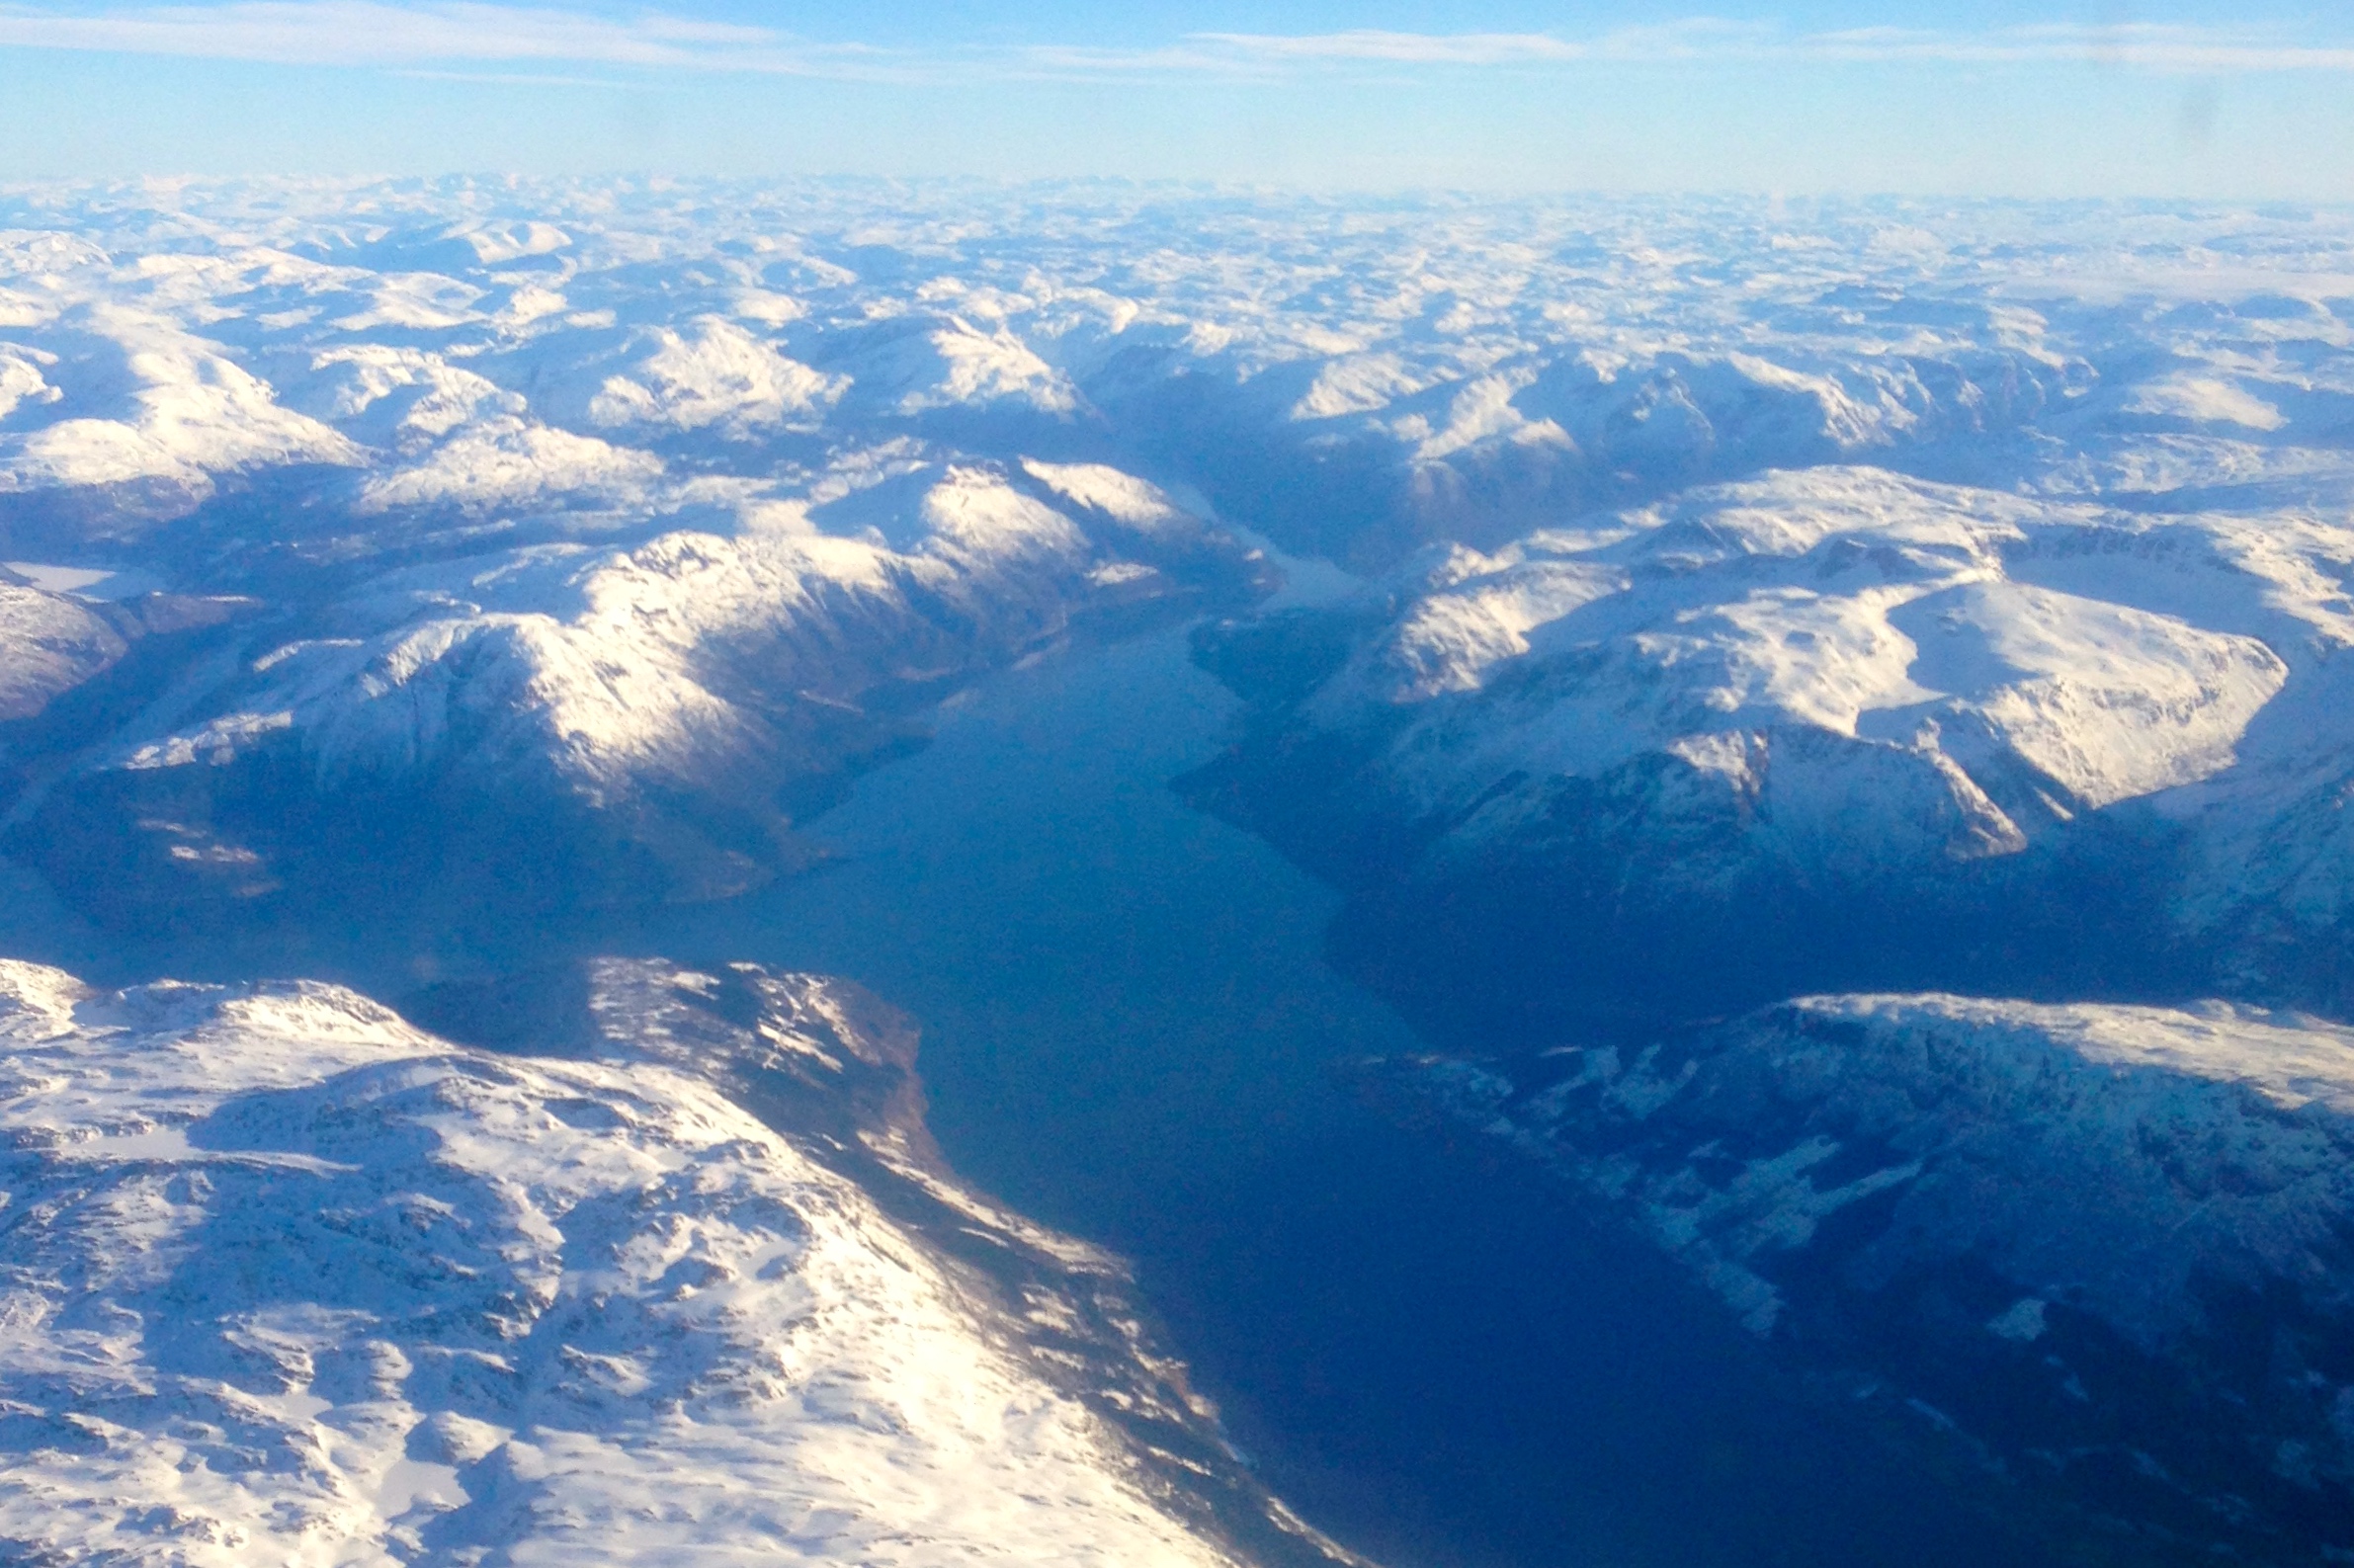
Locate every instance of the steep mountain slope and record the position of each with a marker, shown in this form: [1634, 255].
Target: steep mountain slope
[2101, 1251]
[555, 500]
[559, 725]
[1948, 734]
[52, 645]
[288, 1278]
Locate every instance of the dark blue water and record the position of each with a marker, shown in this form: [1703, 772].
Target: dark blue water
[1129, 1033]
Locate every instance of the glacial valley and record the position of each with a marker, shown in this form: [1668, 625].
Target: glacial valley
[1794, 756]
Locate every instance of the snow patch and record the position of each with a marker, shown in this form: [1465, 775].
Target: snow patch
[296, 1280]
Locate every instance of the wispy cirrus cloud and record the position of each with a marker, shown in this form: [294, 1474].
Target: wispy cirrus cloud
[2151, 46]
[1261, 55]
[378, 32]
[519, 78]
[1399, 48]
[463, 33]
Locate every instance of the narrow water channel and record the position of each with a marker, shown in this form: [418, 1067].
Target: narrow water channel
[1129, 1033]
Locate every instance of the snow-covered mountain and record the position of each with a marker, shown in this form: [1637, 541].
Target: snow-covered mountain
[1756, 599]
[585, 597]
[1950, 733]
[2100, 1251]
[615, 722]
[618, 519]
[54, 643]
[288, 1278]
[1342, 373]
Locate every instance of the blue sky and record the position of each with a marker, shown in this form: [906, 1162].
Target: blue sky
[2167, 98]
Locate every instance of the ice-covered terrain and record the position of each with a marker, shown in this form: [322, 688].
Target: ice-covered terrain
[648, 707]
[289, 1279]
[614, 521]
[1755, 600]
[567, 548]
[1839, 693]
[2099, 1249]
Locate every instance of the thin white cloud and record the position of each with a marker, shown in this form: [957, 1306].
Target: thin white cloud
[522, 79]
[2146, 45]
[1400, 48]
[1264, 54]
[2149, 47]
[377, 32]
[461, 33]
